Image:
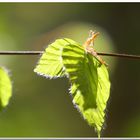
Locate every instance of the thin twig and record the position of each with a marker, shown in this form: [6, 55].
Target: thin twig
[120, 55]
[40, 52]
[20, 52]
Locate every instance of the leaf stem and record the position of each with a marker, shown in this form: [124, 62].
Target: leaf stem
[40, 52]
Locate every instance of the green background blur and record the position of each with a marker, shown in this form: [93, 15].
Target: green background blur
[43, 108]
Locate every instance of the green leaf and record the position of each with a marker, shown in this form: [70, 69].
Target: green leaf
[5, 88]
[50, 64]
[90, 84]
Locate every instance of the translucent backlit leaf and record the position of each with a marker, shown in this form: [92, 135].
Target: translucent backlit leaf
[90, 86]
[5, 88]
[50, 64]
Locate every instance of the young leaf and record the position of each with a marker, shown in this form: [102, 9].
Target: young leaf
[5, 88]
[90, 84]
[50, 64]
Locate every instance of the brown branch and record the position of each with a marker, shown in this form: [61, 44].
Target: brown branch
[120, 55]
[40, 52]
[20, 52]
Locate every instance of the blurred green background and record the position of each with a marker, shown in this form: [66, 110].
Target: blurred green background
[43, 108]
